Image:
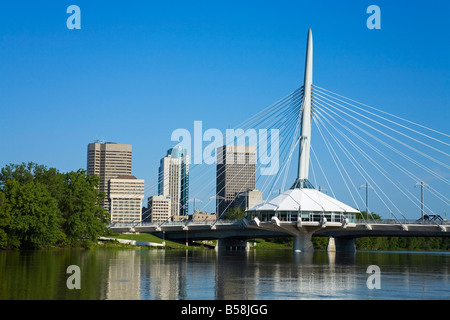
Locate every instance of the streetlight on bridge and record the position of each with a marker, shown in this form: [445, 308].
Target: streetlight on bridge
[367, 186]
[217, 197]
[422, 184]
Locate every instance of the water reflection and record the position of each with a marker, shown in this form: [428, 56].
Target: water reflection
[207, 274]
[228, 275]
[124, 276]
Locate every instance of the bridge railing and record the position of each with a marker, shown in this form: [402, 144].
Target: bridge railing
[311, 217]
[394, 221]
[173, 223]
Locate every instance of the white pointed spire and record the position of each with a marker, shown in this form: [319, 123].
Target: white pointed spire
[305, 137]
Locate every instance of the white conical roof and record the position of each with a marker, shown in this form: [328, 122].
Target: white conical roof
[304, 200]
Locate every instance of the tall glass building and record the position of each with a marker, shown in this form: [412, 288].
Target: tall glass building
[173, 180]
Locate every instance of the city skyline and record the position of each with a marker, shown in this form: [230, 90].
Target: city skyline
[224, 65]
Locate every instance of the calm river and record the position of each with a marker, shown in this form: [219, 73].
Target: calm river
[208, 275]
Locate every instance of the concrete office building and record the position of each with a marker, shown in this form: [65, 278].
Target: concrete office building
[173, 180]
[199, 216]
[159, 208]
[125, 195]
[248, 199]
[236, 173]
[108, 161]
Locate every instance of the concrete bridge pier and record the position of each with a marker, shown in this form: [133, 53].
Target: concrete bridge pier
[302, 242]
[337, 244]
[232, 244]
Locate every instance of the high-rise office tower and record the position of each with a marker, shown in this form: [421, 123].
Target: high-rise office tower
[173, 180]
[108, 161]
[125, 195]
[236, 173]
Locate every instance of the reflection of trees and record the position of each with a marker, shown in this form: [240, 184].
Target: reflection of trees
[31, 275]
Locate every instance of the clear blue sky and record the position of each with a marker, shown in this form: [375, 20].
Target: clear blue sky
[137, 70]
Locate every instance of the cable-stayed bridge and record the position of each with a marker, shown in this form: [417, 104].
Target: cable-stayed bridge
[235, 233]
[343, 147]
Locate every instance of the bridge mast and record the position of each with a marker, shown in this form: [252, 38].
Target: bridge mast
[291, 210]
[305, 137]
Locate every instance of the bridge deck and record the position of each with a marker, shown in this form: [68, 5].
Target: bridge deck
[245, 230]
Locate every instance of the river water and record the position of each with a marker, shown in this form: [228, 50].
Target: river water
[211, 275]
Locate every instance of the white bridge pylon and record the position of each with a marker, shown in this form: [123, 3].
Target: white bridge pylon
[303, 210]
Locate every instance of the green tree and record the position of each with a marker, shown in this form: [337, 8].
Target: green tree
[363, 215]
[35, 218]
[41, 206]
[22, 173]
[4, 219]
[84, 219]
[235, 213]
[393, 243]
[320, 243]
[363, 243]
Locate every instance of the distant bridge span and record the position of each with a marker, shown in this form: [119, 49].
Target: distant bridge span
[242, 230]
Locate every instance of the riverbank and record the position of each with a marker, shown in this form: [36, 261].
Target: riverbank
[141, 238]
[320, 243]
[145, 241]
[150, 238]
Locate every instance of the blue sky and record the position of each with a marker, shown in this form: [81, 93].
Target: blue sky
[137, 70]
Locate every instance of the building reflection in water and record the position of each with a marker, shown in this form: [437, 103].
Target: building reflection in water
[163, 275]
[207, 274]
[124, 276]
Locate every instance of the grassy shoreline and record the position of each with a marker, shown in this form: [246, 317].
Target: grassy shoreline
[146, 237]
[320, 244]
